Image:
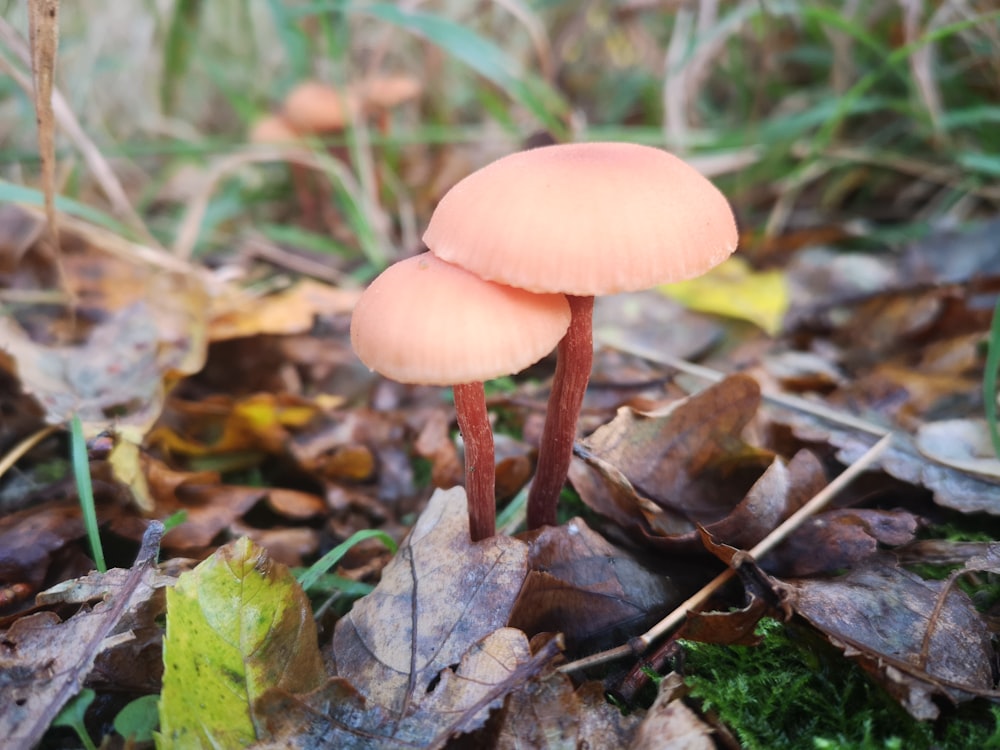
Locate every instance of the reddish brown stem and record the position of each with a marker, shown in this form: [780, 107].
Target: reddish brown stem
[575, 358]
[480, 467]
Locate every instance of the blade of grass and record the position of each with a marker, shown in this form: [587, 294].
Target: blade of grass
[181, 36]
[309, 577]
[897, 58]
[11, 193]
[293, 40]
[990, 380]
[477, 52]
[84, 488]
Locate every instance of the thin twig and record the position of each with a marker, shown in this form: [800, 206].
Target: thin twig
[778, 535]
[775, 397]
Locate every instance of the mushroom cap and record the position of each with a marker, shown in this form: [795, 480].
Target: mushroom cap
[314, 107]
[273, 129]
[584, 219]
[386, 92]
[428, 322]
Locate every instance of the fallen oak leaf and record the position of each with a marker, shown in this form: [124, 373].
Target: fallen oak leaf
[662, 473]
[821, 499]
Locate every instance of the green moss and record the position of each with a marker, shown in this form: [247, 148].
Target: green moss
[795, 691]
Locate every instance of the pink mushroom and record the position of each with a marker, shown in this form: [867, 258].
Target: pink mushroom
[428, 322]
[581, 219]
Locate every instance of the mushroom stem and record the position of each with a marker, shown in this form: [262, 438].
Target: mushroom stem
[574, 359]
[480, 467]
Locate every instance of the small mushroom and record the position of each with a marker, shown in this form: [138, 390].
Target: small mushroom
[427, 322]
[315, 108]
[582, 219]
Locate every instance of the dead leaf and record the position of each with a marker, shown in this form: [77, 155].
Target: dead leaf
[952, 489]
[53, 658]
[678, 458]
[671, 725]
[583, 586]
[550, 714]
[426, 653]
[397, 639]
[962, 444]
[880, 614]
[838, 540]
[338, 716]
[294, 310]
[209, 509]
[648, 320]
[29, 537]
[435, 444]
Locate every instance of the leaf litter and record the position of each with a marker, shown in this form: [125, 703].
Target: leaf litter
[241, 412]
[658, 471]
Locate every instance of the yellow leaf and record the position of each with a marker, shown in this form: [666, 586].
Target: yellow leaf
[734, 290]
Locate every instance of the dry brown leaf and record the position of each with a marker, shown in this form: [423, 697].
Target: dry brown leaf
[336, 715]
[550, 714]
[435, 444]
[880, 615]
[439, 595]
[839, 539]
[671, 725]
[29, 537]
[952, 489]
[426, 655]
[661, 476]
[293, 310]
[680, 458]
[288, 546]
[52, 658]
[583, 586]
[209, 510]
[962, 444]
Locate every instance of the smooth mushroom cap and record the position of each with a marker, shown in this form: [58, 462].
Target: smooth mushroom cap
[314, 107]
[273, 129]
[386, 92]
[428, 322]
[584, 219]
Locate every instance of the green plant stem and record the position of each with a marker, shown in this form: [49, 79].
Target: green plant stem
[309, 577]
[85, 490]
[990, 380]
